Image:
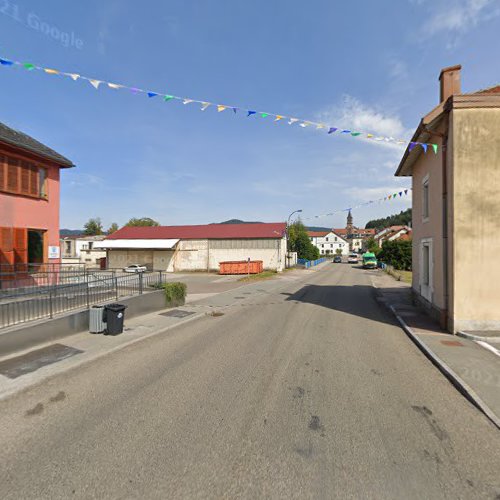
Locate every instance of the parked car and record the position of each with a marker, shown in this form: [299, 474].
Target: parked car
[353, 258]
[135, 268]
[337, 259]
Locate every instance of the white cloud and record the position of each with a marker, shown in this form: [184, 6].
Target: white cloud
[456, 17]
[356, 116]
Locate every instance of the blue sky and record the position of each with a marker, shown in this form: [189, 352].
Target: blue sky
[366, 65]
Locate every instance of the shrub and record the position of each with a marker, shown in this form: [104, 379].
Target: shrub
[175, 293]
[397, 254]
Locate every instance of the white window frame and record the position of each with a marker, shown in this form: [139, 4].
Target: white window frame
[425, 202]
[426, 290]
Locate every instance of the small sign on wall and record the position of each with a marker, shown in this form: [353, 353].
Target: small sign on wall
[54, 252]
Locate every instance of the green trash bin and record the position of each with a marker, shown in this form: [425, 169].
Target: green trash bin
[114, 315]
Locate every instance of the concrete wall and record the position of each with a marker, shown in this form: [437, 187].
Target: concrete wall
[33, 334]
[476, 222]
[201, 255]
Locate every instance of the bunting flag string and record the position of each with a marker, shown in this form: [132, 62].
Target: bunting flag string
[391, 196]
[331, 130]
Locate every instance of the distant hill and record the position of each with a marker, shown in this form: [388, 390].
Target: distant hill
[70, 232]
[237, 221]
[401, 219]
[318, 228]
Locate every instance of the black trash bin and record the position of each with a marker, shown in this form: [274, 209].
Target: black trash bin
[114, 314]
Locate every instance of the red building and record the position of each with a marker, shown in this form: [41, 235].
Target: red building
[29, 201]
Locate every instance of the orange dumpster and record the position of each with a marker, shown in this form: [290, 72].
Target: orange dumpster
[241, 267]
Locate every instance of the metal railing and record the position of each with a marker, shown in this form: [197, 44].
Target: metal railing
[20, 305]
[35, 275]
[310, 263]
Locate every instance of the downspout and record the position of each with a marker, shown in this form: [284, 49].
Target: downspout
[444, 163]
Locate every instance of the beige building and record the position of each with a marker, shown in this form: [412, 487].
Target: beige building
[456, 207]
[196, 248]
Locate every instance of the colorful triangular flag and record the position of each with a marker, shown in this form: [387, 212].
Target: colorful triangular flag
[95, 83]
[168, 97]
[435, 148]
[6, 62]
[264, 115]
[354, 134]
[187, 101]
[114, 86]
[204, 105]
[251, 113]
[278, 118]
[29, 66]
[292, 121]
[332, 129]
[51, 71]
[152, 94]
[220, 108]
[424, 147]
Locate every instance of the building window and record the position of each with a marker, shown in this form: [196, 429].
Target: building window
[327, 238]
[425, 198]
[322, 246]
[22, 177]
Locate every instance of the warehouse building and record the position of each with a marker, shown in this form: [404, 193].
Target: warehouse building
[196, 248]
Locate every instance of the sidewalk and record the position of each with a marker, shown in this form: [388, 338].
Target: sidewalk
[472, 366]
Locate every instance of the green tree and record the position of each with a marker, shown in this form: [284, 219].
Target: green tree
[401, 219]
[144, 221]
[397, 254]
[372, 246]
[113, 228]
[338, 251]
[93, 227]
[299, 241]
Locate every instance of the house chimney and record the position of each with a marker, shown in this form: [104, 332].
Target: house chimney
[449, 80]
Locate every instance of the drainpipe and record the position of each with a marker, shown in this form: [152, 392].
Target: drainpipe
[444, 162]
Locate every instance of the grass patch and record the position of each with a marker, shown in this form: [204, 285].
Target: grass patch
[264, 275]
[405, 276]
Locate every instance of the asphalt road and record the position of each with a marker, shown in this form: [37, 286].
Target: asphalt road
[305, 389]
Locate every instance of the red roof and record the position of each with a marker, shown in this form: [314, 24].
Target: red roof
[202, 232]
[318, 234]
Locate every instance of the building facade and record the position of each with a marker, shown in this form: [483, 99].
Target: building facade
[328, 243]
[456, 202]
[196, 248]
[81, 250]
[393, 233]
[29, 201]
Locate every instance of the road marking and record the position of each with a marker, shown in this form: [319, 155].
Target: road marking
[488, 346]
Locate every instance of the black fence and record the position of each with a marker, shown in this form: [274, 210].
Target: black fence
[83, 290]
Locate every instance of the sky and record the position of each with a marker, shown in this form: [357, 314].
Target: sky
[369, 66]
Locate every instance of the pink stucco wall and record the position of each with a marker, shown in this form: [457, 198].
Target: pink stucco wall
[31, 213]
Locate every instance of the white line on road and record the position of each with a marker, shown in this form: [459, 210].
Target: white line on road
[488, 346]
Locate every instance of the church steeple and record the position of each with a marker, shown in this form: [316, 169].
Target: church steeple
[349, 226]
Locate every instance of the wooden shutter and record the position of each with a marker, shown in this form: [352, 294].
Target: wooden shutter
[12, 175]
[6, 248]
[34, 181]
[3, 160]
[25, 177]
[21, 249]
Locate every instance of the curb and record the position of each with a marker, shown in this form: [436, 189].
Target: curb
[6, 394]
[458, 382]
[470, 336]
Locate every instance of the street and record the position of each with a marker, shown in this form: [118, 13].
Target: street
[302, 389]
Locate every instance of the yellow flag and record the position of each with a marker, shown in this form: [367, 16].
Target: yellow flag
[278, 118]
[369, 136]
[51, 71]
[220, 108]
